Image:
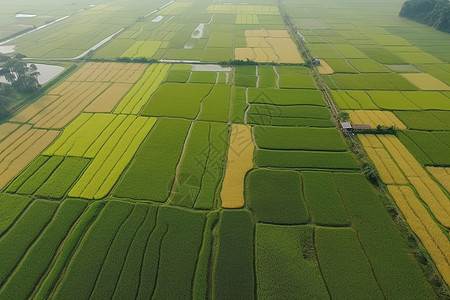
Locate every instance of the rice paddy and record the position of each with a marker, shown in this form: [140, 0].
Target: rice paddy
[193, 152]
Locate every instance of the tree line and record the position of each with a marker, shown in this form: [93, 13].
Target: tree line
[435, 13]
[21, 79]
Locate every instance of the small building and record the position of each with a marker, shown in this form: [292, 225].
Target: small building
[316, 61]
[348, 127]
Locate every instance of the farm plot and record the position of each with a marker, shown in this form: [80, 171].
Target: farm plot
[239, 162]
[392, 100]
[177, 100]
[12, 206]
[286, 264]
[83, 90]
[269, 46]
[427, 189]
[305, 159]
[388, 170]
[285, 97]
[49, 177]
[323, 199]
[263, 188]
[425, 120]
[345, 268]
[142, 49]
[424, 226]
[216, 106]
[426, 147]
[426, 82]
[353, 100]
[375, 118]
[20, 148]
[233, 270]
[141, 92]
[112, 152]
[293, 115]
[442, 175]
[201, 167]
[41, 252]
[161, 151]
[428, 100]
[298, 138]
[372, 81]
[394, 269]
[22, 235]
[368, 66]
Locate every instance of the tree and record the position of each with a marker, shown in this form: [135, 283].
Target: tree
[434, 13]
[19, 74]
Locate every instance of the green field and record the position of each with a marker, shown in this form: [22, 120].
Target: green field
[166, 165]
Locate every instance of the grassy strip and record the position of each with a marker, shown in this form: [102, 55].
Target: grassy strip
[161, 152]
[128, 283]
[67, 249]
[21, 283]
[11, 206]
[200, 288]
[299, 138]
[112, 266]
[25, 175]
[345, 267]
[179, 252]
[324, 200]
[305, 159]
[19, 238]
[83, 269]
[63, 178]
[286, 264]
[233, 274]
[397, 272]
[40, 176]
[276, 196]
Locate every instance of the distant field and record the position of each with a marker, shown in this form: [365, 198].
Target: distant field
[151, 171]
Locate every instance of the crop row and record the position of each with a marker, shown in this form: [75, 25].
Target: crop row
[424, 227]
[49, 177]
[152, 173]
[20, 148]
[428, 148]
[112, 159]
[141, 92]
[201, 167]
[177, 100]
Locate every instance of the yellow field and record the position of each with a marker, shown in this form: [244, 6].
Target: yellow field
[250, 19]
[269, 46]
[388, 170]
[20, 148]
[240, 161]
[442, 175]
[142, 49]
[243, 9]
[68, 100]
[375, 118]
[426, 82]
[175, 8]
[6, 129]
[433, 239]
[108, 100]
[325, 68]
[427, 189]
